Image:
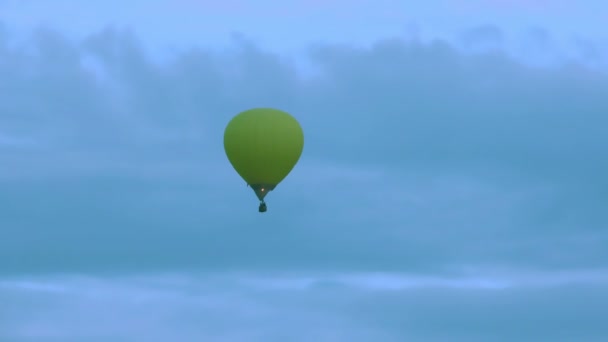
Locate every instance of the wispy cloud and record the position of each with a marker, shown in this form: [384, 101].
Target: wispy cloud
[297, 307]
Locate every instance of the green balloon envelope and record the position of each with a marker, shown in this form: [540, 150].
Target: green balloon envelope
[263, 145]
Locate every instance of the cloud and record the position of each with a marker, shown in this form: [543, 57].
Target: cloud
[417, 158]
[364, 307]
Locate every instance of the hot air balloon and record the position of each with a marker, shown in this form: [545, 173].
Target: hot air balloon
[263, 145]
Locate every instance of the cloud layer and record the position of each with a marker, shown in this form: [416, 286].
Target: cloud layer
[415, 154]
[441, 194]
[244, 308]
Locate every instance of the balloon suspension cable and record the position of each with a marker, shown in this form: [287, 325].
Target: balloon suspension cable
[261, 190]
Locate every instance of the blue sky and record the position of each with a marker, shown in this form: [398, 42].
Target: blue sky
[452, 187]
